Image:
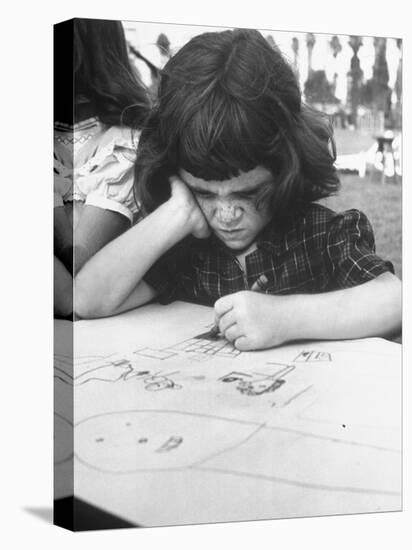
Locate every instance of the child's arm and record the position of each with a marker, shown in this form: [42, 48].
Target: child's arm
[95, 228]
[111, 281]
[253, 320]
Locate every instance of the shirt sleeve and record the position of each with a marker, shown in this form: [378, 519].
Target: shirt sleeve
[107, 179]
[115, 192]
[351, 250]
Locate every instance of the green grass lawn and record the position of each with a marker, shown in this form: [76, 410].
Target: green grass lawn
[383, 206]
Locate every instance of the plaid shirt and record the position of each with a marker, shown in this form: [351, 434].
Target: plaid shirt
[317, 251]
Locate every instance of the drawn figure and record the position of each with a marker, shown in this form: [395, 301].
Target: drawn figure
[313, 356]
[111, 372]
[154, 353]
[257, 383]
[235, 377]
[259, 386]
[162, 382]
[172, 443]
[91, 368]
[199, 348]
[138, 374]
[63, 439]
[203, 346]
[109, 369]
[141, 440]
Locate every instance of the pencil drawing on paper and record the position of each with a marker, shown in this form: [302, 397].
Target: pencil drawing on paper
[110, 369]
[313, 356]
[198, 348]
[90, 368]
[155, 354]
[160, 382]
[138, 441]
[172, 443]
[164, 436]
[141, 440]
[256, 383]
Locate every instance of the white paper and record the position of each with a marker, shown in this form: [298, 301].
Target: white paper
[170, 428]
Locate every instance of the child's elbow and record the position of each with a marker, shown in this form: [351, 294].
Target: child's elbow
[391, 296]
[397, 298]
[83, 308]
[393, 290]
[86, 304]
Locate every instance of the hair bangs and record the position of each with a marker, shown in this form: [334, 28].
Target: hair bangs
[223, 138]
[229, 102]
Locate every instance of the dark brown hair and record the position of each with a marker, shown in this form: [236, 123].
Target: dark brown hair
[102, 74]
[227, 103]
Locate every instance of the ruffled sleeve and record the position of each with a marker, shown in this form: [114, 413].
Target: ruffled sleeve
[106, 179]
[351, 250]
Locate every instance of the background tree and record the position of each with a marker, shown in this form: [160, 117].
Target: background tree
[295, 49]
[398, 82]
[355, 77]
[163, 43]
[310, 43]
[336, 48]
[376, 93]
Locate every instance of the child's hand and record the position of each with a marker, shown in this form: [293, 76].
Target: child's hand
[251, 320]
[183, 198]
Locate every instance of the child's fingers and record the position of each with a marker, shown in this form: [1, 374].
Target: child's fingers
[222, 306]
[242, 343]
[232, 333]
[227, 320]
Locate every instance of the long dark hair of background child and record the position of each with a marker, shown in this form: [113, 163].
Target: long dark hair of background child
[98, 95]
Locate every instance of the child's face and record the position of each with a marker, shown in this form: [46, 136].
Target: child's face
[230, 206]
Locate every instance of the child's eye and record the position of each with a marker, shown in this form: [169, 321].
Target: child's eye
[247, 195]
[203, 194]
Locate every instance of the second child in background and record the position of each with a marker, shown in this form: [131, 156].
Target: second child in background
[94, 146]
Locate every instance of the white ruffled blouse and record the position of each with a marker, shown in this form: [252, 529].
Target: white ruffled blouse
[94, 164]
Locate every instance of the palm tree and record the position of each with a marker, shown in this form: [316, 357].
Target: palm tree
[310, 43]
[163, 43]
[398, 82]
[295, 49]
[355, 76]
[336, 48]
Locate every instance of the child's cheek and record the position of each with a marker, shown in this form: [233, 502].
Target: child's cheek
[249, 205]
[251, 209]
[206, 206]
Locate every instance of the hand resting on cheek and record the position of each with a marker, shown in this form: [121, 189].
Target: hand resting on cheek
[184, 199]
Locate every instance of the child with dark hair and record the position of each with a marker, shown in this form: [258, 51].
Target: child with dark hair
[228, 170]
[94, 144]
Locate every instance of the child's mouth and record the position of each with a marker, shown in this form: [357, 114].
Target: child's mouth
[230, 231]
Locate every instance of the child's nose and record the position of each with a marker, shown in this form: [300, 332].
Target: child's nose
[228, 212]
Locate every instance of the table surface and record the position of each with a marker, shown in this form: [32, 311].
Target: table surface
[173, 428]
